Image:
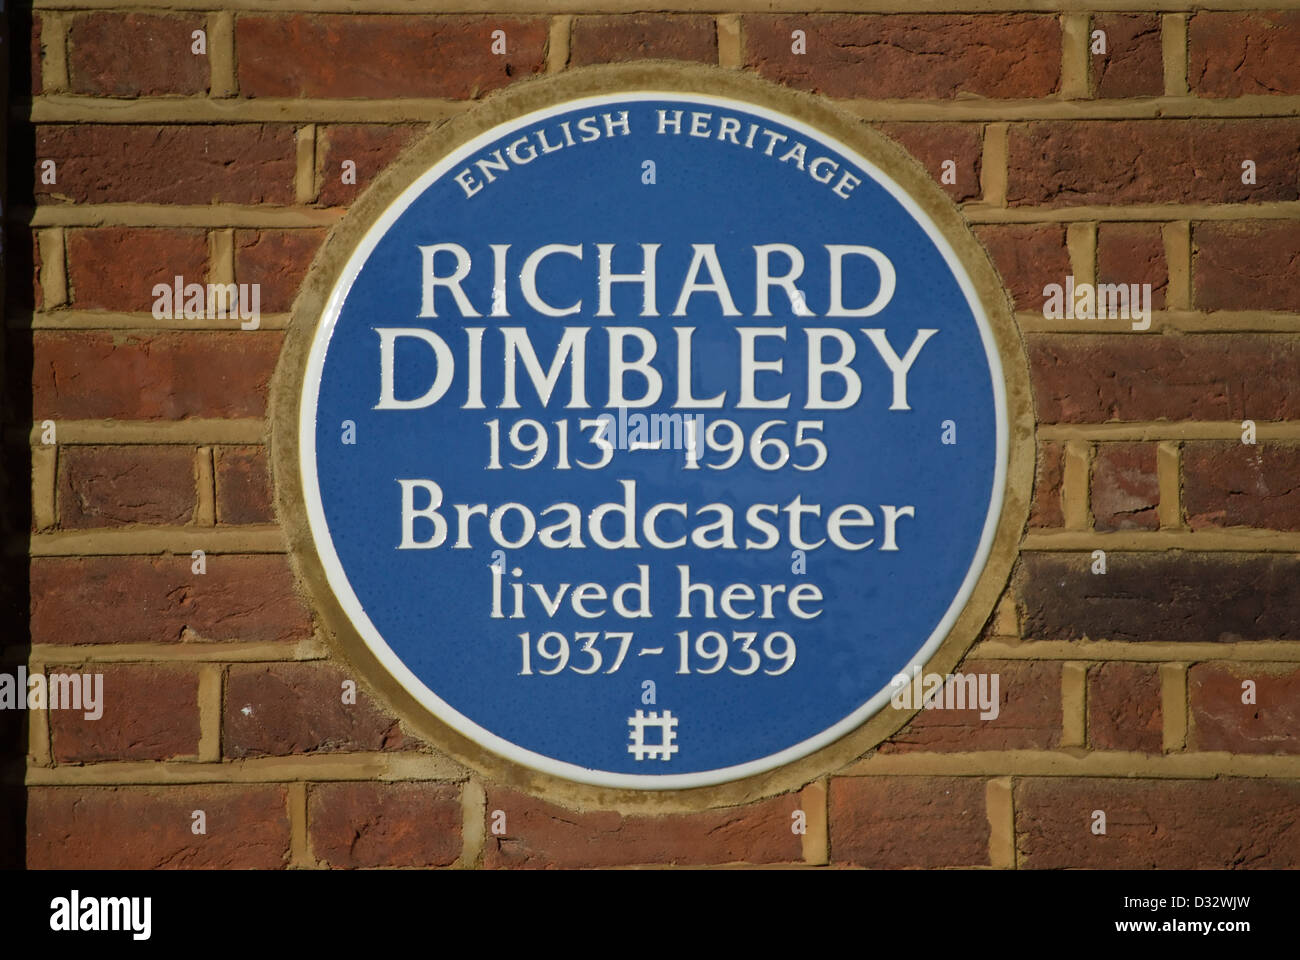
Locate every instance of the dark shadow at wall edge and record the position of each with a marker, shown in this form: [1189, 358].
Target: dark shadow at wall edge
[17, 153]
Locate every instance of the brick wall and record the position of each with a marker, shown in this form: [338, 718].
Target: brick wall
[1121, 691]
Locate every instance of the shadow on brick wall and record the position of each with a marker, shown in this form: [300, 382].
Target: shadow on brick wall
[17, 154]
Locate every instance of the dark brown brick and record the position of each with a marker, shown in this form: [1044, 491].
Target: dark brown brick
[540, 834]
[116, 268]
[200, 164]
[277, 260]
[385, 824]
[934, 143]
[1133, 253]
[643, 37]
[1133, 64]
[1221, 721]
[161, 600]
[351, 56]
[1243, 54]
[1093, 378]
[94, 375]
[1158, 824]
[1241, 485]
[243, 485]
[904, 55]
[1029, 713]
[909, 822]
[149, 828]
[284, 709]
[1124, 710]
[112, 486]
[135, 55]
[149, 712]
[1047, 509]
[1151, 161]
[1177, 598]
[1029, 256]
[1125, 489]
[1246, 266]
[371, 146]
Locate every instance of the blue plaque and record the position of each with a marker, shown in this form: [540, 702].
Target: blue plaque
[646, 437]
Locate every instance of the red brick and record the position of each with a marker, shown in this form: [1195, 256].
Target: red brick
[135, 55]
[1246, 266]
[540, 834]
[150, 712]
[1157, 824]
[1241, 485]
[283, 709]
[149, 828]
[200, 164]
[353, 56]
[1159, 598]
[371, 146]
[909, 822]
[1125, 489]
[1092, 378]
[1029, 256]
[116, 268]
[1221, 721]
[385, 824]
[277, 260]
[1151, 161]
[1029, 714]
[933, 143]
[1047, 509]
[93, 375]
[643, 37]
[904, 55]
[1133, 64]
[1133, 253]
[243, 485]
[1242, 54]
[1124, 707]
[161, 600]
[112, 486]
